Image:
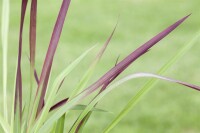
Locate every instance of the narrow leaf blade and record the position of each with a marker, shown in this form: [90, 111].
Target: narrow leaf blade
[150, 84]
[120, 67]
[4, 38]
[51, 50]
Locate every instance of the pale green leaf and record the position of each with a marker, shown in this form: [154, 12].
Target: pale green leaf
[4, 37]
[4, 125]
[54, 89]
[150, 84]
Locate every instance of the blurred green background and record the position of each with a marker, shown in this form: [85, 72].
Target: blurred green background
[168, 108]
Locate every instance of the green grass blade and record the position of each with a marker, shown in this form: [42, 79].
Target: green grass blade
[82, 107]
[4, 37]
[59, 112]
[17, 121]
[4, 125]
[88, 74]
[121, 81]
[13, 103]
[83, 82]
[53, 130]
[112, 72]
[83, 122]
[60, 125]
[150, 84]
[55, 86]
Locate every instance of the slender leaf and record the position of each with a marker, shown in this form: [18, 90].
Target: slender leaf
[51, 50]
[4, 125]
[151, 83]
[59, 104]
[120, 67]
[54, 89]
[35, 73]
[32, 46]
[32, 37]
[60, 125]
[4, 38]
[36, 76]
[13, 103]
[46, 69]
[83, 122]
[83, 82]
[133, 76]
[53, 130]
[18, 85]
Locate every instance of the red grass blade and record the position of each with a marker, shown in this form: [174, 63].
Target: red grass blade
[59, 104]
[120, 67]
[18, 89]
[35, 73]
[32, 34]
[105, 80]
[36, 76]
[52, 48]
[99, 55]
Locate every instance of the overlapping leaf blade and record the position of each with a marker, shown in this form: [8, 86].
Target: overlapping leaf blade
[120, 67]
[89, 73]
[150, 84]
[46, 70]
[83, 82]
[54, 88]
[123, 80]
[51, 50]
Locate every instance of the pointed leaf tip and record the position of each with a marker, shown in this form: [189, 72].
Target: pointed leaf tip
[121, 66]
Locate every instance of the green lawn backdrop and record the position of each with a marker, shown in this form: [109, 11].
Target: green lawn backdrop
[167, 108]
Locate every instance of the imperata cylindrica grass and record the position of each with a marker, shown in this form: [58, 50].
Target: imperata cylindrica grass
[39, 113]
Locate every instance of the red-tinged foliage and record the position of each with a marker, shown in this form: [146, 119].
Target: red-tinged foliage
[121, 66]
[18, 89]
[51, 50]
[32, 35]
[59, 104]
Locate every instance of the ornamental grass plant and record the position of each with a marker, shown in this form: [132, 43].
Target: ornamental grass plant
[39, 113]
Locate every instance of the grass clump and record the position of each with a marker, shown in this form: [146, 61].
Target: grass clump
[38, 113]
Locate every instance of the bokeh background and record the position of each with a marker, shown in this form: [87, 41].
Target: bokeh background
[167, 108]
